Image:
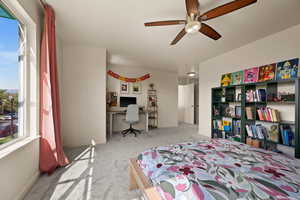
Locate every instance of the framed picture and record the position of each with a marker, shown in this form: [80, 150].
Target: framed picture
[112, 99]
[251, 75]
[287, 69]
[137, 88]
[237, 78]
[124, 87]
[267, 73]
[226, 80]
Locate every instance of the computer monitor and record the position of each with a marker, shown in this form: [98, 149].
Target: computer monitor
[125, 101]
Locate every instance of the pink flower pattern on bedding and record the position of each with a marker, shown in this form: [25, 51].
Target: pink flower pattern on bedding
[221, 169]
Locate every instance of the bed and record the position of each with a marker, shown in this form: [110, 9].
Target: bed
[213, 170]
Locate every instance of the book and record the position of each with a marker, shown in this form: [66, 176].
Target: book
[275, 114]
[237, 127]
[267, 72]
[260, 114]
[217, 124]
[287, 69]
[238, 111]
[249, 113]
[259, 95]
[272, 132]
[220, 126]
[251, 75]
[237, 78]
[268, 114]
[249, 131]
[287, 134]
[230, 111]
[216, 111]
[254, 132]
[260, 131]
[226, 80]
[226, 124]
[262, 94]
[249, 96]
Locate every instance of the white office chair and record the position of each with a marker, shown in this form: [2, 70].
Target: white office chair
[132, 117]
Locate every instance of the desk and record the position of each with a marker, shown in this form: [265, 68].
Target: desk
[113, 113]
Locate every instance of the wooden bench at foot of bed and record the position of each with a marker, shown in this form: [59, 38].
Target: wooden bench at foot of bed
[139, 181]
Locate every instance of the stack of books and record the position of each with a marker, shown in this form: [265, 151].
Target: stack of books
[223, 125]
[257, 131]
[237, 127]
[268, 114]
[259, 95]
[217, 124]
[227, 124]
[287, 135]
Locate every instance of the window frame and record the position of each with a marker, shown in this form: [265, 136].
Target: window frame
[29, 79]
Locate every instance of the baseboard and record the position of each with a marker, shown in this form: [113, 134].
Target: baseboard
[28, 186]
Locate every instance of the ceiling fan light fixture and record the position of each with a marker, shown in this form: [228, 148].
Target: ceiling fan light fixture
[191, 74]
[192, 26]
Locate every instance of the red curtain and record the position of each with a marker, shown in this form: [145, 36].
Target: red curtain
[51, 150]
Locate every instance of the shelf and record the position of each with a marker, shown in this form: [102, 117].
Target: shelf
[281, 102]
[286, 145]
[217, 117]
[281, 122]
[220, 117]
[272, 102]
[259, 83]
[227, 102]
[263, 140]
[261, 102]
[222, 130]
[253, 138]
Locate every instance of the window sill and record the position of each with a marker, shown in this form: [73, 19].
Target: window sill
[16, 145]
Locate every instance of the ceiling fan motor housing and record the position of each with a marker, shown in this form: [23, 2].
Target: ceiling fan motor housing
[192, 25]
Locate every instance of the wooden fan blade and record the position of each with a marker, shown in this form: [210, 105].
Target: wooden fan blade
[226, 8]
[178, 37]
[209, 32]
[192, 7]
[165, 23]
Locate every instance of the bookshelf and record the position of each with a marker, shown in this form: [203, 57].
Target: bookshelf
[152, 108]
[271, 119]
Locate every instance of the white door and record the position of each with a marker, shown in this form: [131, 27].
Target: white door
[189, 104]
[181, 106]
[186, 103]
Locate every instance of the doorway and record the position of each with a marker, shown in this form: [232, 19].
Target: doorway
[188, 100]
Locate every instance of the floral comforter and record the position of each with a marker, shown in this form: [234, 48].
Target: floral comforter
[220, 169]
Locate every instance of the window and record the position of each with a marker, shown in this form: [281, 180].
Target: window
[18, 74]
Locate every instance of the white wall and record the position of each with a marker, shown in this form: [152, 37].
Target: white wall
[274, 48]
[166, 84]
[20, 168]
[83, 95]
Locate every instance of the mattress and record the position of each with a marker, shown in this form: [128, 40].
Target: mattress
[220, 169]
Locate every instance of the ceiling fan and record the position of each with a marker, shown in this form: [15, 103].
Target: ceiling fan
[194, 20]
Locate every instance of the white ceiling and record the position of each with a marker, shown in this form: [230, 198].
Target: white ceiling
[119, 27]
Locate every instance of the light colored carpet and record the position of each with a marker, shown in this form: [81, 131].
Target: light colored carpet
[101, 172]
